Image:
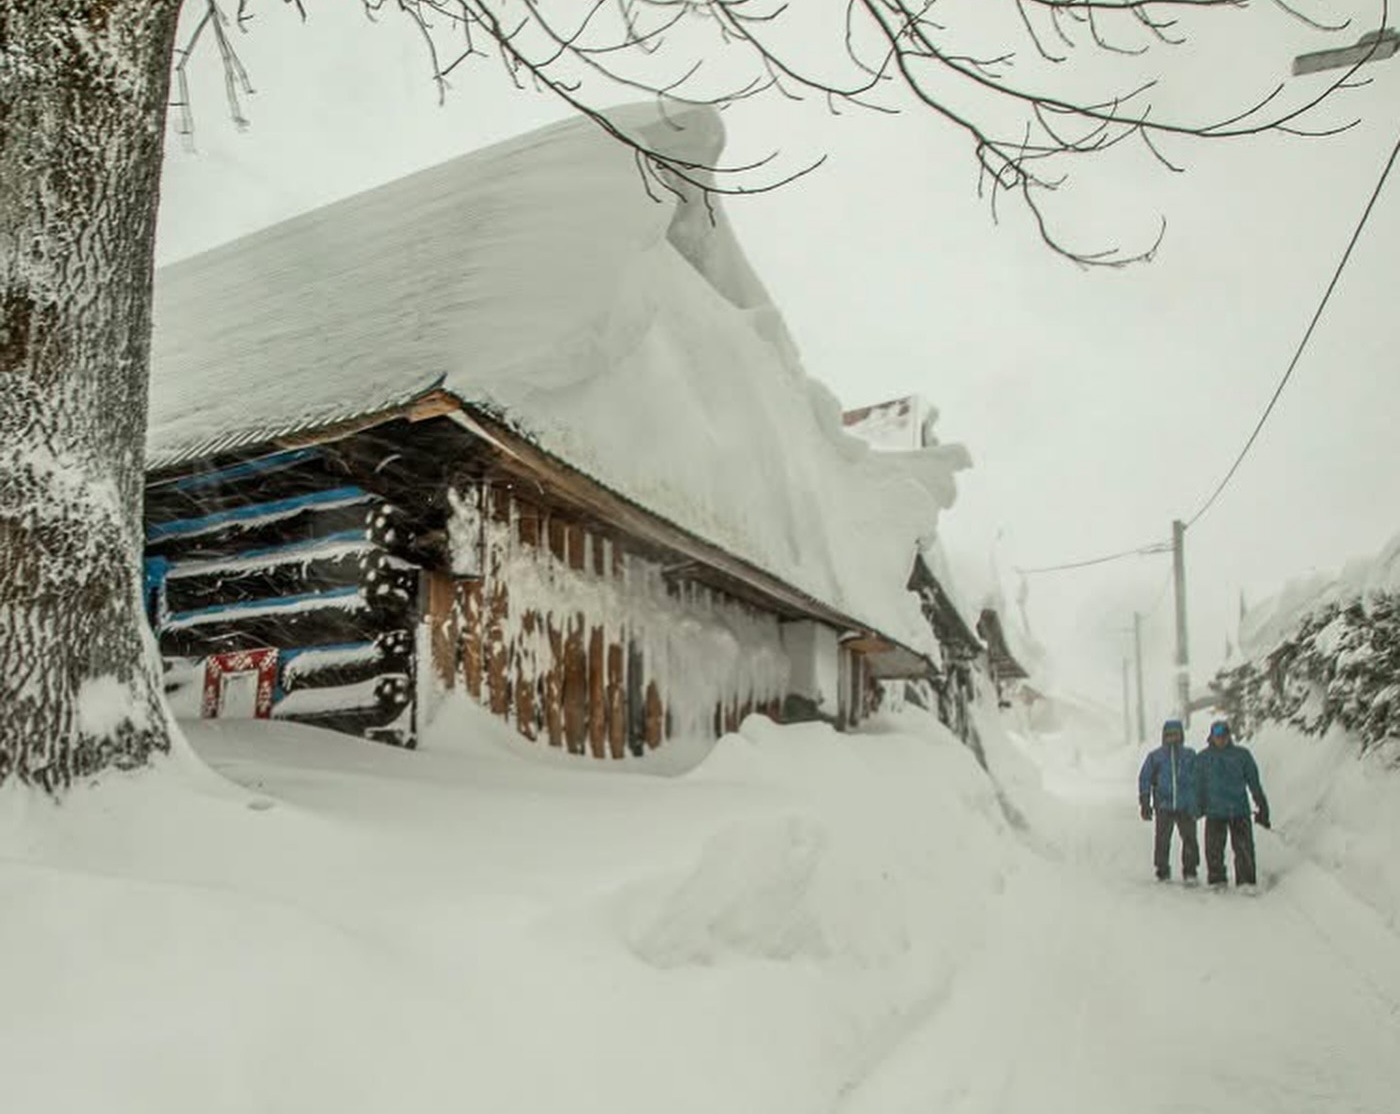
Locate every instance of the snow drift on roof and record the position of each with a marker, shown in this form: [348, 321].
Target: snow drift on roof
[625, 333]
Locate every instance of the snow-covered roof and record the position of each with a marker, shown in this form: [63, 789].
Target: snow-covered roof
[624, 333]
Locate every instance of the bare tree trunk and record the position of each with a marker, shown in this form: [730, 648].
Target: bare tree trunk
[83, 92]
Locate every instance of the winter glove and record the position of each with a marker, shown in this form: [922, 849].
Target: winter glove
[1146, 809]
[1262, 818]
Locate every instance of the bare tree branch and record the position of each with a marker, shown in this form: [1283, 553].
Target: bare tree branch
[580, 52]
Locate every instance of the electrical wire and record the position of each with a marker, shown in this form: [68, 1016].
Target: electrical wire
[1163, 547]
[1141, 551]
[1302, 344]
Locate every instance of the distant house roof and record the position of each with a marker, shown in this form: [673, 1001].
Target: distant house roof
[1004, 665]
[900, 423]
[949, 626]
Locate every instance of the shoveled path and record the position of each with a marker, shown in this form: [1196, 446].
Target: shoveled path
[1100, 990]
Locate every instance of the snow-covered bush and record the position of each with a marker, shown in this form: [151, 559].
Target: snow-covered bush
[1339, 667]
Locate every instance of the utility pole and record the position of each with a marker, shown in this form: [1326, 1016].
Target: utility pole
[1183, 653]
[1137, 654]
[1127, 709]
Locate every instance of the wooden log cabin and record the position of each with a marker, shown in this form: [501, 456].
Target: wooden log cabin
[345, 520]
[348, 575]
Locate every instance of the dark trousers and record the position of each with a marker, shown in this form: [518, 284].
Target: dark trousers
[1185, 824]
[1241, 832]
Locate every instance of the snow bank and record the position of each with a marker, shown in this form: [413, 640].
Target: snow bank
[852, 878]
[629, 336]
[1267, 624]
[1325, 652]
[802, 922]
[1339, 807]
[454, 928]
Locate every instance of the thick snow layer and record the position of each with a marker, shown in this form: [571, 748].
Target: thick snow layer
[258, 514]
[628, 335]
[301, 662]
[1342, 811]
[298, 553]
[341, 599]
[801, 922]
[1270, 622]
[1107, 991]
[331, 698]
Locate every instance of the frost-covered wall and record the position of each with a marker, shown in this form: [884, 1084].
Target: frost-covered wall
[584, 642]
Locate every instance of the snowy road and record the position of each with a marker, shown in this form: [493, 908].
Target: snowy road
[805, 923]
[1100, 989]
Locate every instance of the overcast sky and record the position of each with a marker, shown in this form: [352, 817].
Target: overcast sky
[1097, 405]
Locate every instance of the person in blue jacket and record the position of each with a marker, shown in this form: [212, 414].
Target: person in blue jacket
[1167, 789]
[1225, 772]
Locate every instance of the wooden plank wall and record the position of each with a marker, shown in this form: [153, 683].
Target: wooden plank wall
[564, 680]
[563, 675]
[553, 661]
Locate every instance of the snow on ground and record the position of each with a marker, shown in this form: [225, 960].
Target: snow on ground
[1343, 810]
[351, 927]
[798, 922]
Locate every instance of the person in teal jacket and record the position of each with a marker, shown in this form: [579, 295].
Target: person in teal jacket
[1226, 779]
[1167, 789]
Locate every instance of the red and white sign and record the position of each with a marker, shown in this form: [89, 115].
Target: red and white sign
[239, 684]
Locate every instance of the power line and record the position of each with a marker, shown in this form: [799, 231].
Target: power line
[1163, 547]
[1302, 345]
[1141, 551]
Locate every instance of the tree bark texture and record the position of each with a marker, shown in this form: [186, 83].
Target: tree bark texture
[83, 92]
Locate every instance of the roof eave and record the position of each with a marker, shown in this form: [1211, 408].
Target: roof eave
[435, 400]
